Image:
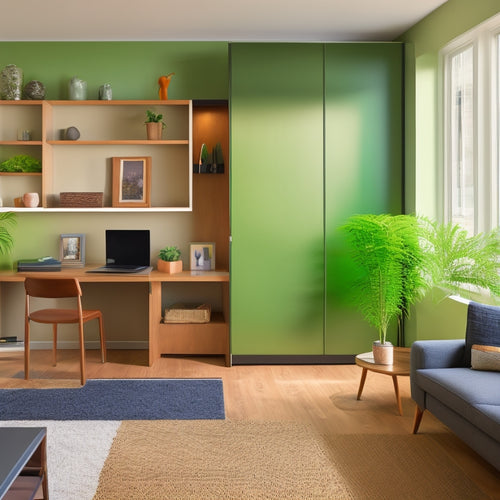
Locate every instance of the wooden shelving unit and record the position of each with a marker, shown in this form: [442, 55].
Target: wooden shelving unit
[107, 129]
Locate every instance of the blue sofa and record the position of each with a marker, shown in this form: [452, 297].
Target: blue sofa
[467, 400]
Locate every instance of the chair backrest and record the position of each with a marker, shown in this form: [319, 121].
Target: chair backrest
[52, 288]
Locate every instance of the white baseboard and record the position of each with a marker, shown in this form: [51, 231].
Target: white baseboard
[113, 344]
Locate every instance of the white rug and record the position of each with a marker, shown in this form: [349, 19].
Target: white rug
[76, 451]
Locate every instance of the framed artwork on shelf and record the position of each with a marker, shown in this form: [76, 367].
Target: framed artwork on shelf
[72, 250]
[131, 181]
[202, 256]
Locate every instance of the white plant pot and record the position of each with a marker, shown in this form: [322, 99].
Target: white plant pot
[383, 354]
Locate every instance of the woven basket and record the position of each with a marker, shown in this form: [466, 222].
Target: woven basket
[81, 200]
[182, 313]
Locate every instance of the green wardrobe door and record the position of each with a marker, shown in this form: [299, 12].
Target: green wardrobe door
[277, 263]
[363, 164]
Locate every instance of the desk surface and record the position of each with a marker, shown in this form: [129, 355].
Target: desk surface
[18, 445]
[84, 277]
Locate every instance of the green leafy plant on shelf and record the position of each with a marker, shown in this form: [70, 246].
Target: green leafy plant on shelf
[152, 117]
[169, 261]
[170, 254]
[7, 221]
[21, 163]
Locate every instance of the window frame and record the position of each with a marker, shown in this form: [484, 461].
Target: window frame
[485, 42]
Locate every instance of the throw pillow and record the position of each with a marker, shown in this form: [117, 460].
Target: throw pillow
[483, 327]
[485, 357]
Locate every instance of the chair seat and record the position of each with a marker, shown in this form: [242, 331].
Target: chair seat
[62, 315]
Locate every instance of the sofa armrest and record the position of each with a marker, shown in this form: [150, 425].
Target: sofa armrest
[433, 354]
[437, 354]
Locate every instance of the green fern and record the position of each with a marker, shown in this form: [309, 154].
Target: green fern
[458, 260]
[7, 219]
[389, 259]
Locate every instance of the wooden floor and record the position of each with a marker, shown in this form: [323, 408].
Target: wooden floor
[321, 395]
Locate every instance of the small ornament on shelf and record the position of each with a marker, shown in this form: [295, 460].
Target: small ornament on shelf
[164, 82]
[11, 83]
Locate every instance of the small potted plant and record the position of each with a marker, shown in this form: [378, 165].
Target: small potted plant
[169, 261]
[154, 125]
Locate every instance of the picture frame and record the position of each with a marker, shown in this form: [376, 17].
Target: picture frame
[72, 250]
[131, 181]
[202, 256]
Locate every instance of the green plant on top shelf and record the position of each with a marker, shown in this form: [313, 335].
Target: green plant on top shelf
[21, 163]
[152, 117]
[170, 254]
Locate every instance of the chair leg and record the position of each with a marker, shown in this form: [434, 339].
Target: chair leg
[82, 354]
[27, 349]
[418, 418]
[54, 344]
[103, 341]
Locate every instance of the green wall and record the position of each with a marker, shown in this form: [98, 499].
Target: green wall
[433, 318]
[132, 68]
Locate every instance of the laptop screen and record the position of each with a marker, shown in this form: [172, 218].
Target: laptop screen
[127, 247]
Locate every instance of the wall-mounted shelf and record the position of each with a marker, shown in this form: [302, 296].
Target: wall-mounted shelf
[107, 129]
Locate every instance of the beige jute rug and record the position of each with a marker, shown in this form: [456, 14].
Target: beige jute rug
[239, 460]
[215, 460]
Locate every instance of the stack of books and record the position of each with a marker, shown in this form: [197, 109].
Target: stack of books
[41, 264]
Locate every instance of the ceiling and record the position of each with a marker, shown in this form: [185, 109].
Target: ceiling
[217, 20]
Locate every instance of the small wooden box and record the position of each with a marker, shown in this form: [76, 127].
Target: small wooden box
[81, 200]
[182, 313]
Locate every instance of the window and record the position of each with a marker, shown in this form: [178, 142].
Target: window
[471, 93]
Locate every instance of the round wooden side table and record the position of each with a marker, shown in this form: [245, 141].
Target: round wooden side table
[400, 367]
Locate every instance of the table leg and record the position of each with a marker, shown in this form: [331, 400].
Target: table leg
[362, 382]
[396, 390]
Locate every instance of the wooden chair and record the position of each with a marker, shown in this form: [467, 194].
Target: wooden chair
[55, 288]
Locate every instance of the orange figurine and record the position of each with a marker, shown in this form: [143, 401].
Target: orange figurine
[164, 82]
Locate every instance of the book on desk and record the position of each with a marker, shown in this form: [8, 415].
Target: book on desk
[40, 264]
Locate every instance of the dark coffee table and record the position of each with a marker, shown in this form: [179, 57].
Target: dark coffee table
[23, 462]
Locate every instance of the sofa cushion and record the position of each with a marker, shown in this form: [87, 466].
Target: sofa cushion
[473, 394]
[483, 327]
[485, 357]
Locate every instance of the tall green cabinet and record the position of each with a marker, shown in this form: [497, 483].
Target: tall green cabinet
[276, 99]
[316, 135]
[363, 164]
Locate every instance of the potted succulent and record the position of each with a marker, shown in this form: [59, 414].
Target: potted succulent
[154, 125]
[389, 262]
[169, 261]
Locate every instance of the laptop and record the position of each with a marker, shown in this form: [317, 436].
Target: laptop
[127, 251]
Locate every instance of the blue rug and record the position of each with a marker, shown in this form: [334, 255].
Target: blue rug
[145, 399]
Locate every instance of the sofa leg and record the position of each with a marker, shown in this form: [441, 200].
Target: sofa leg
[418, 418]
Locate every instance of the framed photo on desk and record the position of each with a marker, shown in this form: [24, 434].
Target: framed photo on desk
[202, 256]
[72, 250]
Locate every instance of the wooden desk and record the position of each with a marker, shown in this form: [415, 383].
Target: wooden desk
[208, 338]
[23, 462]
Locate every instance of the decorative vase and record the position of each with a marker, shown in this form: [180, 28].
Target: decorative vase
[154, 131]
[105, 92]
[383, 354]
[170, 267]
[11, 83]
[31, 200]
[77, 89]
